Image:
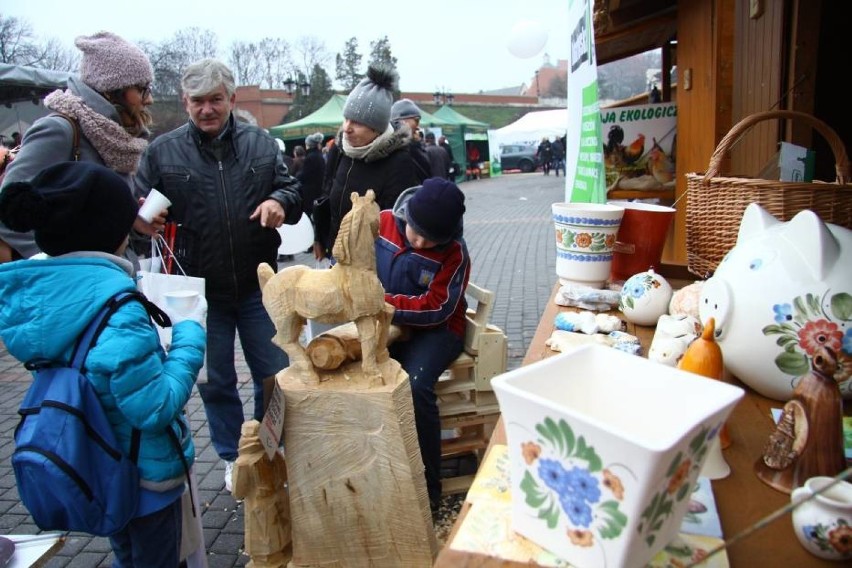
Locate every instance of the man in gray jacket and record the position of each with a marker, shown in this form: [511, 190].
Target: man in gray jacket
[230, 191]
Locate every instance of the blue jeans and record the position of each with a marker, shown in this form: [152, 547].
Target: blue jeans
[424, 356]
[221, 398]
[151, 541]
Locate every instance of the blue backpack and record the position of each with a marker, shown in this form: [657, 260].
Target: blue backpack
[70, 471]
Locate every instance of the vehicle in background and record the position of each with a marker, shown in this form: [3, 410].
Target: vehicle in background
[518, 157]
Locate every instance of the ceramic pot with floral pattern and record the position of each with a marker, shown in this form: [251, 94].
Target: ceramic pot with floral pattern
[780, 294]
[604, 451]
[823, 524]
[585, 237]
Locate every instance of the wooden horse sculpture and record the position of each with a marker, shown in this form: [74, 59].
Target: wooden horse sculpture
[348, 292]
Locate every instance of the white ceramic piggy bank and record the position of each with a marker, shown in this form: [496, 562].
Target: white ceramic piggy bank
[782, 291]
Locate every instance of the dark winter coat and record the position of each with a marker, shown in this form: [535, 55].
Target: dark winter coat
[387, 169]
[213, 198]
[310, 178]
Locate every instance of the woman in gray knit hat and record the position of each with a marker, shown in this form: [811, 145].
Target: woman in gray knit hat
[368, 154]
[106, 121]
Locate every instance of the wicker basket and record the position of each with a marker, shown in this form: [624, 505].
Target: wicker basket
[715, 204]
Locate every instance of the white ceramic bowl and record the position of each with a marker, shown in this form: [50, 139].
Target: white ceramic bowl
[585, 236]
[604, 448]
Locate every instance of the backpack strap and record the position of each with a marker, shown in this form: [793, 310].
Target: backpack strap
[90, 336]
[75, 149]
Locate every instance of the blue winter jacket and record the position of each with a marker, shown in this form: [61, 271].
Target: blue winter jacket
[44, 306]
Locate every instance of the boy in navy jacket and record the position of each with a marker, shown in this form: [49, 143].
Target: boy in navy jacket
[423, 264]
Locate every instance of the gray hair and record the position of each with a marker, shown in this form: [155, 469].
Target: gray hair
[314, 140]
[205, 76]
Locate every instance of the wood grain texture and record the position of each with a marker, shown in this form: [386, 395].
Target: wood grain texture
[357, 491]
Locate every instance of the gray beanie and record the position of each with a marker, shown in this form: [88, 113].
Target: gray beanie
[403, 108]
[111, 63]
[370, 101]
[313, 140]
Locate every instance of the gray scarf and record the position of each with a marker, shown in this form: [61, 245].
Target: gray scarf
[360, 152]
[118, 149]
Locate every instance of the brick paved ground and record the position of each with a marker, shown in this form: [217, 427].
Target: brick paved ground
[509, 234]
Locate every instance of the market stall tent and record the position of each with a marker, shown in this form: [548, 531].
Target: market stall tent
[328, 119]
[533, 126]
[22, 89]
[461, 132]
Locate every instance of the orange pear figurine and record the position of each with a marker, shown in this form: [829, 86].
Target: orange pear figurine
[704, 357]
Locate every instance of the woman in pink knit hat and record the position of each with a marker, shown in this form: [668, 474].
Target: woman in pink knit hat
[106, 121]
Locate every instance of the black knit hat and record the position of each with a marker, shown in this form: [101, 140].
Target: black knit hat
[435, 210]
[71, 206]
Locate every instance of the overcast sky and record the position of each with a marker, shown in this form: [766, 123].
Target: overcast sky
[459, 46]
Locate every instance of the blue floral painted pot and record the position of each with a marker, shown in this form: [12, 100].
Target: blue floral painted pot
[604, 451]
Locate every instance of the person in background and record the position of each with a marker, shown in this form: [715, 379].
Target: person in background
[423, 263]
[312, 173]
[406, 114]
[288, 160]
[558, 151]
[454, 167]
[81, 214]
[109, 103]
[439, 160]
[230, 191]
[298, 160]
[473, 157]
[368, 154]
[545, 155]
[16, 139]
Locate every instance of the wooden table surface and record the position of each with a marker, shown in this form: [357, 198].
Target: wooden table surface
[741, 498]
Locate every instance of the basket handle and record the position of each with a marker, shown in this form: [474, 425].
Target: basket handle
[841, 161]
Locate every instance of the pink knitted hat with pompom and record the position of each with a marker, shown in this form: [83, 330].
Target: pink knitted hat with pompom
[111, 63]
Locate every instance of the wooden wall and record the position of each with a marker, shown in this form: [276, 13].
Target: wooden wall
[704, 51]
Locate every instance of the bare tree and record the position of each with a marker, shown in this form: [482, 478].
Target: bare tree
[19, 46]
[246, 63]
[308, 53]
[274, 57]
[170, 57]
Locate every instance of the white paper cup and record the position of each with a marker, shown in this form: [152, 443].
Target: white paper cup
[182, 301]
[154, 203]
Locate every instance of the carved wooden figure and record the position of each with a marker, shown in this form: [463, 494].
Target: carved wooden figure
[262, 483]
[356, 486]
[348, 292]
[808, 440]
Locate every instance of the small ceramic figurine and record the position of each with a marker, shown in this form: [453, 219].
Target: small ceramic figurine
[645, 297]
[673, 335]
[808, 440]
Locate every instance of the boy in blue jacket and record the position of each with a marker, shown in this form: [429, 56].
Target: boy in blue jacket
[82, 213]
[423, 264]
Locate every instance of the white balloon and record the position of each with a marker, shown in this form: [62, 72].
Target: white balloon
[527, 39]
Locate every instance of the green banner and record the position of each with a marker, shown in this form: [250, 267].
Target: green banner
[590, 176]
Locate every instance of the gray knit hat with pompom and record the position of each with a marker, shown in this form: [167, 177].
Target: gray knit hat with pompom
[111, 63]
[370, 101]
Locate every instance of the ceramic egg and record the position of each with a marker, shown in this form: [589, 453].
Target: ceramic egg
[645, 297]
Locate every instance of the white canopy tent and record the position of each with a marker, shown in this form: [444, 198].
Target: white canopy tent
[533, 126]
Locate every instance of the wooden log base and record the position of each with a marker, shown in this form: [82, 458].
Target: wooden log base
[357, 491]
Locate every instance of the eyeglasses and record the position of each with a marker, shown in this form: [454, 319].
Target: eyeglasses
[144, 90]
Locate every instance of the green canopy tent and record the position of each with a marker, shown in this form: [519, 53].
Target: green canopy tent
[326, 119]
[461, 132]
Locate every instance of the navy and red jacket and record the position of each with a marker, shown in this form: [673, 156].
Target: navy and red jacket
[426, 286]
